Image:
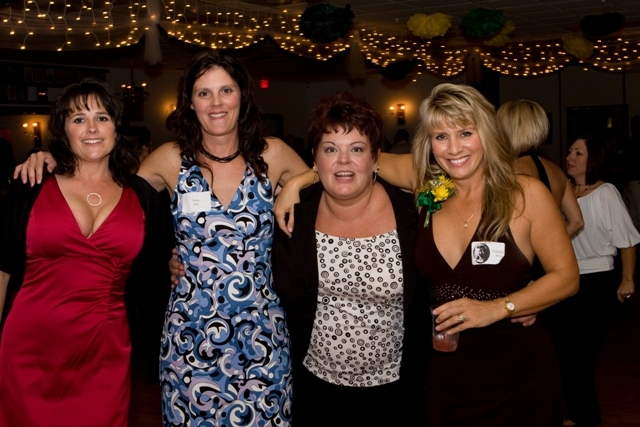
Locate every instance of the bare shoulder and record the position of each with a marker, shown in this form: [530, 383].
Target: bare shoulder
[275, 155]
[554, 172]
[161, 167]
[168, 149]
[536, 195]
[525, 165]
[273, 147]
[282, 160]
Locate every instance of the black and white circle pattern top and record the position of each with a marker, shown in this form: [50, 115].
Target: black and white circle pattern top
[359, 325]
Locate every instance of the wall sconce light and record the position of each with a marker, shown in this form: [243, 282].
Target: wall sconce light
[399, 112]
[34, 131]
[171, 108]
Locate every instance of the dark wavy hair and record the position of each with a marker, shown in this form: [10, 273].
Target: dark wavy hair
[345, 111]
[597, 157]
[123, 159]
[184, 122]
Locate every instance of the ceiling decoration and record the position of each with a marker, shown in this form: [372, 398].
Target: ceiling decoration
[325, 23]
[482, 22]
[429, 26]
[85, 24]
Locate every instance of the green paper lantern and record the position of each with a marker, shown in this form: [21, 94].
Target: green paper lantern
[324, 23]
[482, 22]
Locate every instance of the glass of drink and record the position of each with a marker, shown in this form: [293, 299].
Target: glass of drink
[442, 341]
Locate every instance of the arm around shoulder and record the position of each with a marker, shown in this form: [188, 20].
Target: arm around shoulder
[398, 170]
[283, 161]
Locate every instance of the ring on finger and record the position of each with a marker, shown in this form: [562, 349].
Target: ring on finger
[628, 296]
[461, 318]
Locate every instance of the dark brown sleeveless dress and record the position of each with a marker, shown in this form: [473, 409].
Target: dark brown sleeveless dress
[504, 374]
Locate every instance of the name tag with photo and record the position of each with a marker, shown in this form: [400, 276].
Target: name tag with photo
[487, 253]
[196, 202]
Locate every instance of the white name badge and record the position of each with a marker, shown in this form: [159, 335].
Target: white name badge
[196, 202]
[487, 253]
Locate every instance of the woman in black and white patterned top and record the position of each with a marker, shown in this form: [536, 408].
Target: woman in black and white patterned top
[346, 276]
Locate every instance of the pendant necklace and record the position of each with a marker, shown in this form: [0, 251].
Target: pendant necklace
[227, 159]
[93, 199]
[466, 223]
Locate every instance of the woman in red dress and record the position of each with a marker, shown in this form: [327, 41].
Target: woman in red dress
[70, 244]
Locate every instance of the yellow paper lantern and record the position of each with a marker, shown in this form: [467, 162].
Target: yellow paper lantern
[429, 26]
[577, 46]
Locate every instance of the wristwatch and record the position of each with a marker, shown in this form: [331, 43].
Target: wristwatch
[509, 306]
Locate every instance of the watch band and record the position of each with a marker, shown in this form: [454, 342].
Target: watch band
[509, 306]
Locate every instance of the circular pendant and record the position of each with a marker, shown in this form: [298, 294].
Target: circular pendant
[465, 225]
[94, 196]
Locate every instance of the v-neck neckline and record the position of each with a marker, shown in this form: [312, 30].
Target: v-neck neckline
[107, 219]
[207, 187]
[464, 253]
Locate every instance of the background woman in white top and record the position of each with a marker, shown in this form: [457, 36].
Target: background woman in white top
[581, 319]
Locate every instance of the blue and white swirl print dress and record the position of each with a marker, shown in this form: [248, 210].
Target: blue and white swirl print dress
[225, 358]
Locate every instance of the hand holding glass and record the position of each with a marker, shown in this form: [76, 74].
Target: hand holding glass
[442, 341]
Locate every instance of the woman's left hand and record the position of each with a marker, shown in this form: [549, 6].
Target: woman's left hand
[626, 289]
[467, 313]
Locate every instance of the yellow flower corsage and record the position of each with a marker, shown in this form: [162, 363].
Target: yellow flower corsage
[430, 195]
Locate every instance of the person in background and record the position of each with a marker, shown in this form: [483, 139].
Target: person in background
[461, 146]
[70, 243]
[525, 123]
[401, 144]
[346, 278]
[580, 327]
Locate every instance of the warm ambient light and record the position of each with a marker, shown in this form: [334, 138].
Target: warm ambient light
[234, 27]
[34, 132]
[398, 111]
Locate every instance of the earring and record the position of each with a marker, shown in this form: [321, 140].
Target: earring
[315, 175]
[375, 173]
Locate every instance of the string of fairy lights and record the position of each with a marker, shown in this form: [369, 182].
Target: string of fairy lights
[93, 24]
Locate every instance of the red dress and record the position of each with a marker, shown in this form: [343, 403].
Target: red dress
[64, 355]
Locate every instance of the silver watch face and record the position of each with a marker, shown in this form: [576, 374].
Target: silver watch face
[511, 306]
